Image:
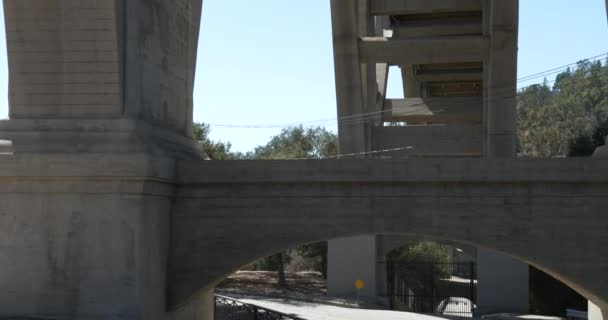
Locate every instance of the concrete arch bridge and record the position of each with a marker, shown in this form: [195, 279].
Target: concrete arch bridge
[107, 210]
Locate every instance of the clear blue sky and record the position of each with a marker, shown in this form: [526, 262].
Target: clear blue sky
[270, 61]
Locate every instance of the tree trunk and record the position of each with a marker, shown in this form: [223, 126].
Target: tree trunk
[282, 282]
[324, 266]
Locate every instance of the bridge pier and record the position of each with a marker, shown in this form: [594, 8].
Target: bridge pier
[474, 87]
[100, 108]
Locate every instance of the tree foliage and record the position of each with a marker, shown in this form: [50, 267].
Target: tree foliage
[298, 143]
[421, 266]
[316, 253]
[421, 252]
[215, 150]
[551, 120]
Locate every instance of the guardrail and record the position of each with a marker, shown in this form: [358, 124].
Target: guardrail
[227, 308]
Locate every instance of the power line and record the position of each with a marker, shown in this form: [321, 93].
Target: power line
[375, 115]
[359, 153]
[358, 118]
[541, 74]
[362, 118]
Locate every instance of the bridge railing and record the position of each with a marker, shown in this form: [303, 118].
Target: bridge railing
[227, 308]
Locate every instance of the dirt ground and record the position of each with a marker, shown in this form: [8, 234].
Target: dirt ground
[300, 285]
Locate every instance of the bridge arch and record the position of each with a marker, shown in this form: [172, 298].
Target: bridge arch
[222, 222]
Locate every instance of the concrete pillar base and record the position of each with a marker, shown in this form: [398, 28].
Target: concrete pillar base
[597, 313]
[84, 236]
[503, 284]
[200, 307]
[112, 136]
[349, 260]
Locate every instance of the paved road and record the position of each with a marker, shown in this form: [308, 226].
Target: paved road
[316, 311]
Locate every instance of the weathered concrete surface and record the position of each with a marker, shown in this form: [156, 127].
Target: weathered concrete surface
[503, 284]
[95, 136]
[84, 237]
[64, 58]
[550, 214]
[353, 259]
[160, 60]
[349, 83]
[107, 76]
[431, 140]
[90, 236]
[500, 72]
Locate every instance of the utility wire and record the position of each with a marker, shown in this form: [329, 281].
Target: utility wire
[358, 153]
[375, 115]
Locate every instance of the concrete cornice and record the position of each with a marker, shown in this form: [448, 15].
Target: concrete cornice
[89, 166]
[394, 171]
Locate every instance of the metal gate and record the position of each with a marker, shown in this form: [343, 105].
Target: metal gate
[448, 289]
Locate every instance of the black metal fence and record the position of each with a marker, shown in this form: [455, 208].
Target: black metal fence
[230, 309]
[448, 289]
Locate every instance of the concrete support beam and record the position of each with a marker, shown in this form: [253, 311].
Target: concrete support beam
[84, 78]
[406, 7]
[456, 75]
[382, 70]
[427, 141]
[438, 27]
[501, 77]
[411, 85]
[423, 50]
[502, 284]
[349, 84]
[68, 67]
[437, 110]
[351, 259]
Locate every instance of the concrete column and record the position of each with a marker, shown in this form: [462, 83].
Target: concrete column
[595, 313]
[100, 103]
[349, 84]
[109, 76]
[91, 243]
[500, 71]
[351, 259]
[64, 68]
[357, 87]
[502, 283]
[411, 86]
[201, 307]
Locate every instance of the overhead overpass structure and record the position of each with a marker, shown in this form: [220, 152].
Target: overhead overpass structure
[107, 210]
[458, 62]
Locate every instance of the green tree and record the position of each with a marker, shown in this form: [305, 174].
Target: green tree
[276, 263]
[317, 254]
[421, 252]
[215, 150]
[422, 266]
[554, 120]
[298, 143]
[585, 145]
